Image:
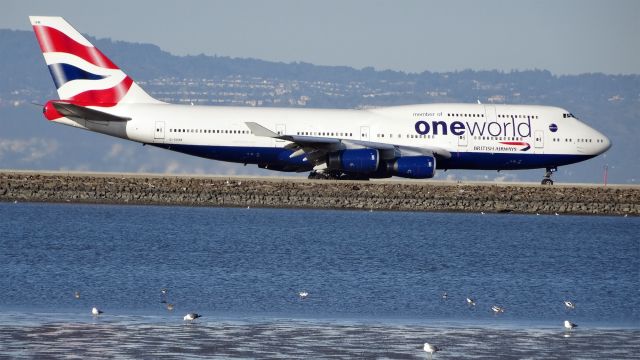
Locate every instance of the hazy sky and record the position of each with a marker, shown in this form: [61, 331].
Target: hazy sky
[565, 37]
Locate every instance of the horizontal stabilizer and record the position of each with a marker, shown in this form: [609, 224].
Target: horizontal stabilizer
[80, 112]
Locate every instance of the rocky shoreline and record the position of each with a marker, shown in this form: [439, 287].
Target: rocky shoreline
[300, 193]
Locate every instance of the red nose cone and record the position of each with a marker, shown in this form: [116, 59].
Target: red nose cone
[50, 112]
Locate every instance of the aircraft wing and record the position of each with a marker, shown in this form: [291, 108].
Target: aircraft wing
[315, 148]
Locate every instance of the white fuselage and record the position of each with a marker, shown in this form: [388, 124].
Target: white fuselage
[478, 136]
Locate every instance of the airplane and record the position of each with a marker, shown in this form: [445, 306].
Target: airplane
[408, 141]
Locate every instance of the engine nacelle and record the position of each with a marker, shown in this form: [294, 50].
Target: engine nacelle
[414, 167]
[361, 161]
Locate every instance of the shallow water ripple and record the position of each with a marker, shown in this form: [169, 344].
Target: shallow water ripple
[295, 340]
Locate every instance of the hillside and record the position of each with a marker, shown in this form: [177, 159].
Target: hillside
[610, 103]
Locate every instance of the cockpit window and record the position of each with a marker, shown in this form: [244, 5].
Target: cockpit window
[568, 115]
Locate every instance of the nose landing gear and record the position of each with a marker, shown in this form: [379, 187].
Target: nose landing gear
[547, 176]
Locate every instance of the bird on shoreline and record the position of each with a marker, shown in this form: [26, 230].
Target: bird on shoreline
[569, 305]
[191, 316]
[431, 349]
[96, 312]
[569, 325]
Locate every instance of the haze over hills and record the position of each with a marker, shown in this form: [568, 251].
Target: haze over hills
[609, 103]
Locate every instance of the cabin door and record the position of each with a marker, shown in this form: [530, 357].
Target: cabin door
[539, 139]
[462, 141]
[281, 129]
[364, 133]
[158, 134]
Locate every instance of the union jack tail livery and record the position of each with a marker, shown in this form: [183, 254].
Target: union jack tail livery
[83, 75]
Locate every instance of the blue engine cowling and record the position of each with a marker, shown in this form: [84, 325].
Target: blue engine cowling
[361, 161]
[414, 167]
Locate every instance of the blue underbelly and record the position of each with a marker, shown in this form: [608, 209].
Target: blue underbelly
[277, 158]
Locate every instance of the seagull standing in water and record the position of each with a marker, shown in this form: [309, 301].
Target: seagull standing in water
[569, 305]
[471, 302]
[96, 312]
[430, 349]
[569, 325]
[191, 316]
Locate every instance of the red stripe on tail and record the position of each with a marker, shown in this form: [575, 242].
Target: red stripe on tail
[106, 97]
[52, 40]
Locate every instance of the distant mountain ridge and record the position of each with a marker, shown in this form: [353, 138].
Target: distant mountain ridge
[610, 103]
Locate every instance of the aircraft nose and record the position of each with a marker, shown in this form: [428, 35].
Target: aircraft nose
[605, 145]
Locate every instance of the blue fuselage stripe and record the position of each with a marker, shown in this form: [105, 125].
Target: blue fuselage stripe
[278, 158]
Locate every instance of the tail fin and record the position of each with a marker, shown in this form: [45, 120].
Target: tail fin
[83, 74]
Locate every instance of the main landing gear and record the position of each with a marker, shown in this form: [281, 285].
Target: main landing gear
[547, 176]
[335, 175]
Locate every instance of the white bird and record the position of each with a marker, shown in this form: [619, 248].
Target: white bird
[430, 349]
[445, 295]
[497, 309]
[471, 302]
[170, 306]
[164, 291]
[76, 294]
[557, 214]
[303, 294]
[96, 312]
[569, 305]
[569, 325]
[191, 316]
[481, 212]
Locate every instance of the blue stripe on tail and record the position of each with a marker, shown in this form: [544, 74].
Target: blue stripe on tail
[63, 73]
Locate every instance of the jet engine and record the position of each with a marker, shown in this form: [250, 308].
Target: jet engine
[361, 161]
[414, 167]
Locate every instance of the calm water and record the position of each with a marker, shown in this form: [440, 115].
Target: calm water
[371, 276]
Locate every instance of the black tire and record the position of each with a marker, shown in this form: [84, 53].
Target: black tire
[547, 182]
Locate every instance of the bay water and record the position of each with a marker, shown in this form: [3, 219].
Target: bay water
[375, 281]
